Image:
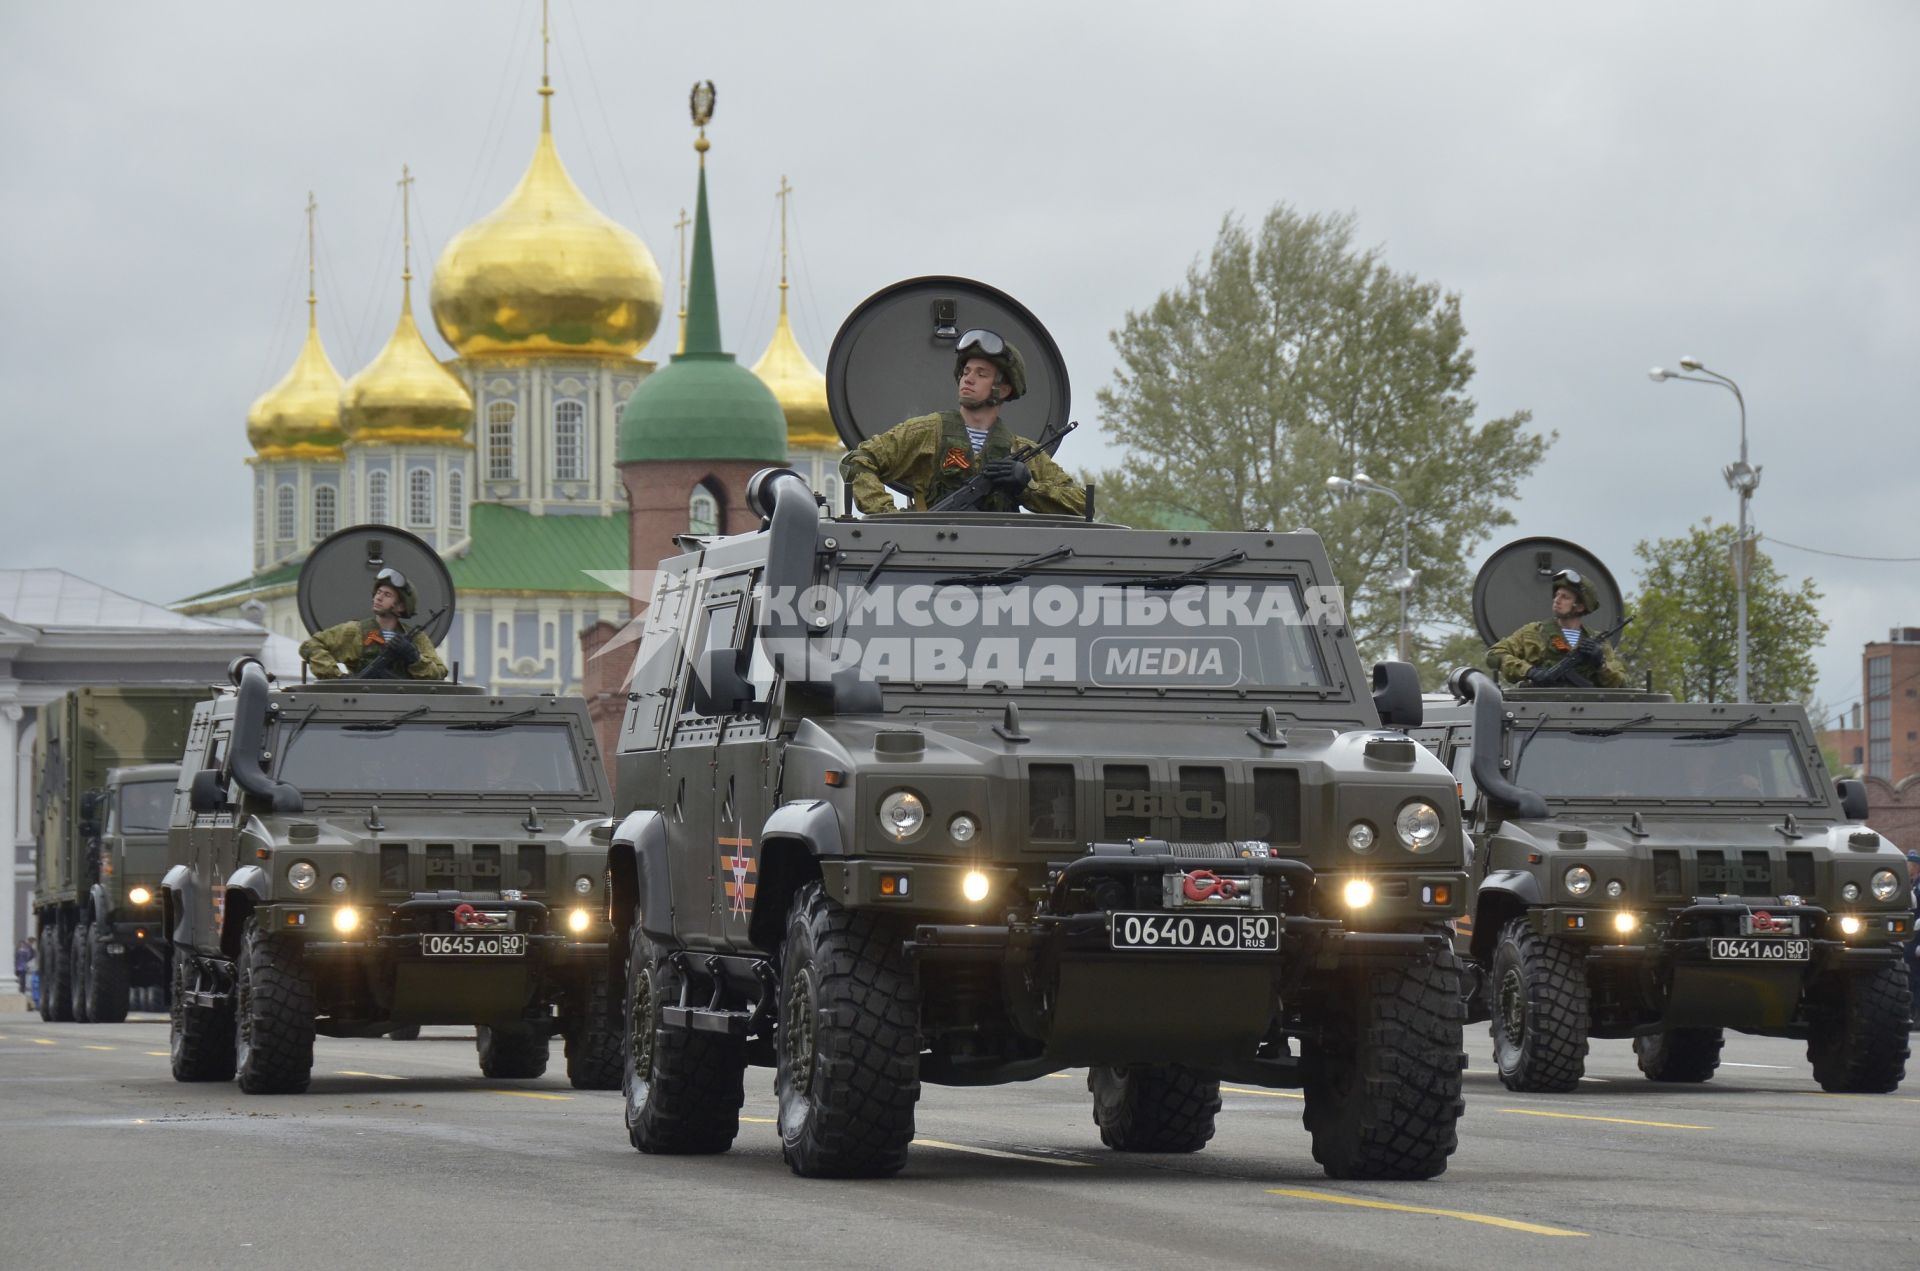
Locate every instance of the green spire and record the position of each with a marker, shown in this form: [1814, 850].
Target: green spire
[703, 302]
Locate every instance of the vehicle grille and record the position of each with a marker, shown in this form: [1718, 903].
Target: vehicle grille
[1189, 803]
[1125, 779]
[484, 867]
[1050, 794]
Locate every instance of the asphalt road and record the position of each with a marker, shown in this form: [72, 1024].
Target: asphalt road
[403, 1154]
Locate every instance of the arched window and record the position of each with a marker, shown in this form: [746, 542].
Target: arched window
[286, 513]
[378, 510]
[326, 510]
[500, 465]
[569, 441]
[456, 500]
[420, 496]
[703, 511]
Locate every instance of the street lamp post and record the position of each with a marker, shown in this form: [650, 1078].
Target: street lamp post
[1404, 584]
[1742, 478]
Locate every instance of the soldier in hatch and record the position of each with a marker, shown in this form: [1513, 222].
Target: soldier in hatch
[933, 455]
[1529, 655]
[380, 642]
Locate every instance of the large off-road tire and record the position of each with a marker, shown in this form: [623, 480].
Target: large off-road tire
[594, 1037]
[1383, 1084]
[274, 1007]
[62, 979]
[200, 1044]
[49, 1012]
[514, 1052]
[848, 1071]
[1680, 1054]
[1537, 990]
[1859, 1044]
[683, 1089]
[109, 982]
[80, 971]
[1153, 1107]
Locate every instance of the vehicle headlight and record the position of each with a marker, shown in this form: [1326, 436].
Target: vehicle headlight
[1418, 826]
[1884, 884]
[1616, 888]
[578, 920]
[902, 813]
[962, 828]
[339, 884]
[302, 875]
[1358, 893]
[1850, 892]
[974, 886]
[345, 918]
[1579, 880]
[1360, 837]
[583, 884]
[139, 895]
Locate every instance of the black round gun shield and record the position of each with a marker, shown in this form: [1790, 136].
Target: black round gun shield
[336, 583]
[1515, 586]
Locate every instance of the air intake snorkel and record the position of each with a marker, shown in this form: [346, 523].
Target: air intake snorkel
[1471, 684]
[250, 737]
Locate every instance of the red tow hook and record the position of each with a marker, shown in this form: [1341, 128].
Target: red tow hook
[1204, 884]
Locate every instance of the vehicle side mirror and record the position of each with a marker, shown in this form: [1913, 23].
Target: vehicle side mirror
[1853, 798]
[208, 793]
[718, 687]
[1396, 694]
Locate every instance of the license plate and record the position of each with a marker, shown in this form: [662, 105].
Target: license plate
[1751, 949]
[472, 944]
[1199, 933]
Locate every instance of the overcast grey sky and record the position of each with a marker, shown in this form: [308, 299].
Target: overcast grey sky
[1607, 186]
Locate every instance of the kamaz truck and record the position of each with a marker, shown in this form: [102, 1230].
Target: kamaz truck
[105, 768]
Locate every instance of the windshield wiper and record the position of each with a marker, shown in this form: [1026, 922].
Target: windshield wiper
[1011, 574]
[886, 554]
[293, 736]
[492, 725]
[1526, 741]
[384, 725]
[1155, 582]
[1722, 734]
[1614, 731]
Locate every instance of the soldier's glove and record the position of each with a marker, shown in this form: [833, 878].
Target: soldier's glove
[1589, 653]
[403, 651]
[1539, 676]
[1008, 474]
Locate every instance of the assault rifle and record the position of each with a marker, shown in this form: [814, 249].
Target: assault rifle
[1566, 672]
[970, 496]
[382, 667]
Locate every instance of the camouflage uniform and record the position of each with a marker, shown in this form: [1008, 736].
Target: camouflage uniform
[933, 455]
[1541, 644]
[349, 647]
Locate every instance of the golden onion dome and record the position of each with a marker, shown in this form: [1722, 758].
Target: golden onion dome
[546, 272]
[798, 386]
[405, 395]
[299, 418]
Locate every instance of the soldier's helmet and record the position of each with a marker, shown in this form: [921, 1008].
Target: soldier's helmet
[409, 599]
[981, 342]
[1572, 580]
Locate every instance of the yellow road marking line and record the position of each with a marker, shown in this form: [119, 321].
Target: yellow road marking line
[1265, 1094]
[91, 1046]
[530, 1094]
[1005, 1156]
[160, 1054]
[384, 1076]
[1574, 1116]
[1334, 1198]
[761, 1120]
[45, 1041]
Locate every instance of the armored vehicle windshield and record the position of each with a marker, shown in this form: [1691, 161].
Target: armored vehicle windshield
[144, 807]
[425, 756]
[1033, 628]
[1647, 762]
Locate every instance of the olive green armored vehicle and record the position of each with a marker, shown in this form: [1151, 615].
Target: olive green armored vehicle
[973, 798]
[1664, 871]
[105, 767]
[361, 856]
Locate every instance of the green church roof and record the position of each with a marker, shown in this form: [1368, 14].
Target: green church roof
[703, 404]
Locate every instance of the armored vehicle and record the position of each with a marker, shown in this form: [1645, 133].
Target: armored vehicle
[363, 856]
[1664, 871]
[105, 765]
[973, 798]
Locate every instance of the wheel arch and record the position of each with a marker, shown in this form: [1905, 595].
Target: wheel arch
[1502, 898]
[787, 863]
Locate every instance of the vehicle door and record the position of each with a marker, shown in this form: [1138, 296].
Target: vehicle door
[702, 848]
[744, 789]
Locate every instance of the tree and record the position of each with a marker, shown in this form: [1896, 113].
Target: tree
[1288, 356]
[1686, 630]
